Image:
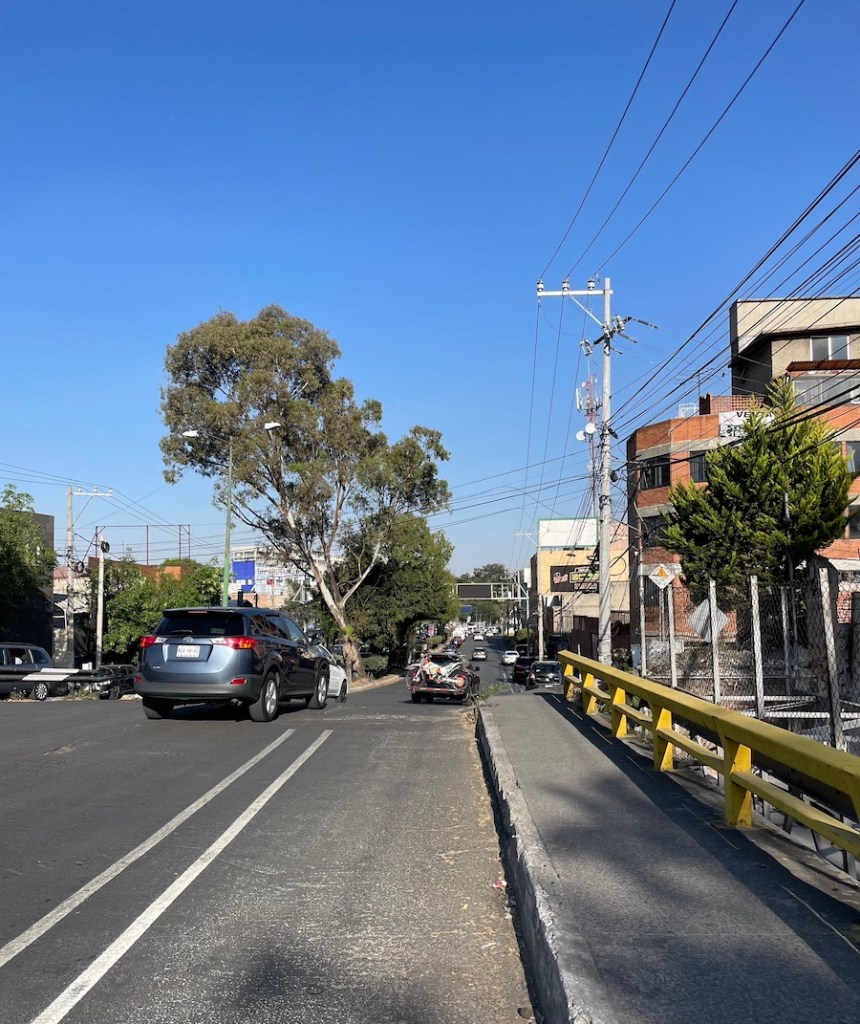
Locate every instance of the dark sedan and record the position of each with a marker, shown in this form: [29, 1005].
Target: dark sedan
[111, 682]
[544, 673]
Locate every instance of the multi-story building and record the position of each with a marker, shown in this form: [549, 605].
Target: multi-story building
[564, 591]
[261, 576]
[813, 342]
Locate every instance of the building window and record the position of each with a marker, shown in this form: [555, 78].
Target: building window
[835, 389]
[653, 532]
[829, 346]
[854, 524]
[852, 457]
[654, 473]
[698, 468]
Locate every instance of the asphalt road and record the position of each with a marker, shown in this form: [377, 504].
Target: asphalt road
[338, 865]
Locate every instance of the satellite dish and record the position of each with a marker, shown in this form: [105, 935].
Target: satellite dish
[580, 435]
[590, 428]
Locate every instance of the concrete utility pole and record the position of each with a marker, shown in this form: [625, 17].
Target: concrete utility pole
[103, 547]
[604, 629]
[71, 564]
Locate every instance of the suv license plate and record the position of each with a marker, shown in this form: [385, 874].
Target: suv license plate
[188, 651]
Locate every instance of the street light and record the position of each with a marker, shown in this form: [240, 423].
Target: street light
[225, 580]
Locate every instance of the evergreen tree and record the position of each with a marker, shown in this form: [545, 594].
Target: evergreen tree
[770, 501]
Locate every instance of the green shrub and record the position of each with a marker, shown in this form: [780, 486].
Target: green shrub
[375, 664]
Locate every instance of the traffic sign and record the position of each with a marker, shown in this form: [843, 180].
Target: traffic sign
[661, 576]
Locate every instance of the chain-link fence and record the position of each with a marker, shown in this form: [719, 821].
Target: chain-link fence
[787, 654]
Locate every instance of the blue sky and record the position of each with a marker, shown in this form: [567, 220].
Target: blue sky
[399, 174]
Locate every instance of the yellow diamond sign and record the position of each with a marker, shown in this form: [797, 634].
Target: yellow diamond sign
[661, 576]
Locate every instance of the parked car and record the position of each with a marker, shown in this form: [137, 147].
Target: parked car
[255, 657]
[544, 673]
[509, 657]
[457, 679]
[521, 668]
[21, 664]
[479, 654]
[111, 682]
[338, 685]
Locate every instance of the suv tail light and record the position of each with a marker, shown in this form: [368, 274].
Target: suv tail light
[148, 641]
[238, 643]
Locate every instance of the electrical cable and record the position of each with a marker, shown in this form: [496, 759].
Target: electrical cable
[710, 132]
[613, 138]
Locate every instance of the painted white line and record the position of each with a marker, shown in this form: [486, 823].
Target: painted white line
[44, 924]
[68, 999]
[815, 913]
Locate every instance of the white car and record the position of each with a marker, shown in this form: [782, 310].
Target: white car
[509, 658]
[478, 637]
[479, 654]
[338, 686]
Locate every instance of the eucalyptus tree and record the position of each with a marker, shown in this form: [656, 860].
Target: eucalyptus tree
[325, 473]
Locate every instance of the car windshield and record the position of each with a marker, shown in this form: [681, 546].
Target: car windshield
[546, 666]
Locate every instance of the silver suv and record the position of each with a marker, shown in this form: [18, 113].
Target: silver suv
[251, 656]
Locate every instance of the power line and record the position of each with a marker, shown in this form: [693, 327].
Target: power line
[709, 133]
[612, 139]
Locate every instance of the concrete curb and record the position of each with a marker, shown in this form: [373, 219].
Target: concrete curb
[570, 994]
[371, 684]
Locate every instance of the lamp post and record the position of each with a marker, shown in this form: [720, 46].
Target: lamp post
[225, 580]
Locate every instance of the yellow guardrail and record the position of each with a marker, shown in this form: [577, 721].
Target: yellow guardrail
[741, 738]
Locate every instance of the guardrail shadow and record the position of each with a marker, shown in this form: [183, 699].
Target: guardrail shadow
[677, 858]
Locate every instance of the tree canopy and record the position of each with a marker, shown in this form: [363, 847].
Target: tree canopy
[411, 585]
[771, 500]
[325, 476]
[26, 557]
[135, 597]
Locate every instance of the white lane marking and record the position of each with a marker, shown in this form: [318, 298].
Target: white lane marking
[68, 999]
[44, 924]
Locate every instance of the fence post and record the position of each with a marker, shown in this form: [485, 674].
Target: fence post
[786, 640]
[758, 668]
[670, 610]
[715, 645]
[643, 643]
[837, 737]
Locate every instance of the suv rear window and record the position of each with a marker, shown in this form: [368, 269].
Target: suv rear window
[208, 623]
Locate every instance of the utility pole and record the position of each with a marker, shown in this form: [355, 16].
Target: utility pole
[103, 547]
[71, 564]
[604, 629]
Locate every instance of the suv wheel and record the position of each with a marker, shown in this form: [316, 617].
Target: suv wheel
[320, 694]
[156, 709]
[265, 707]
[39, 691]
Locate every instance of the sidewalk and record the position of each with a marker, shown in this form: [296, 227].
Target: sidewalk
[637, 906]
